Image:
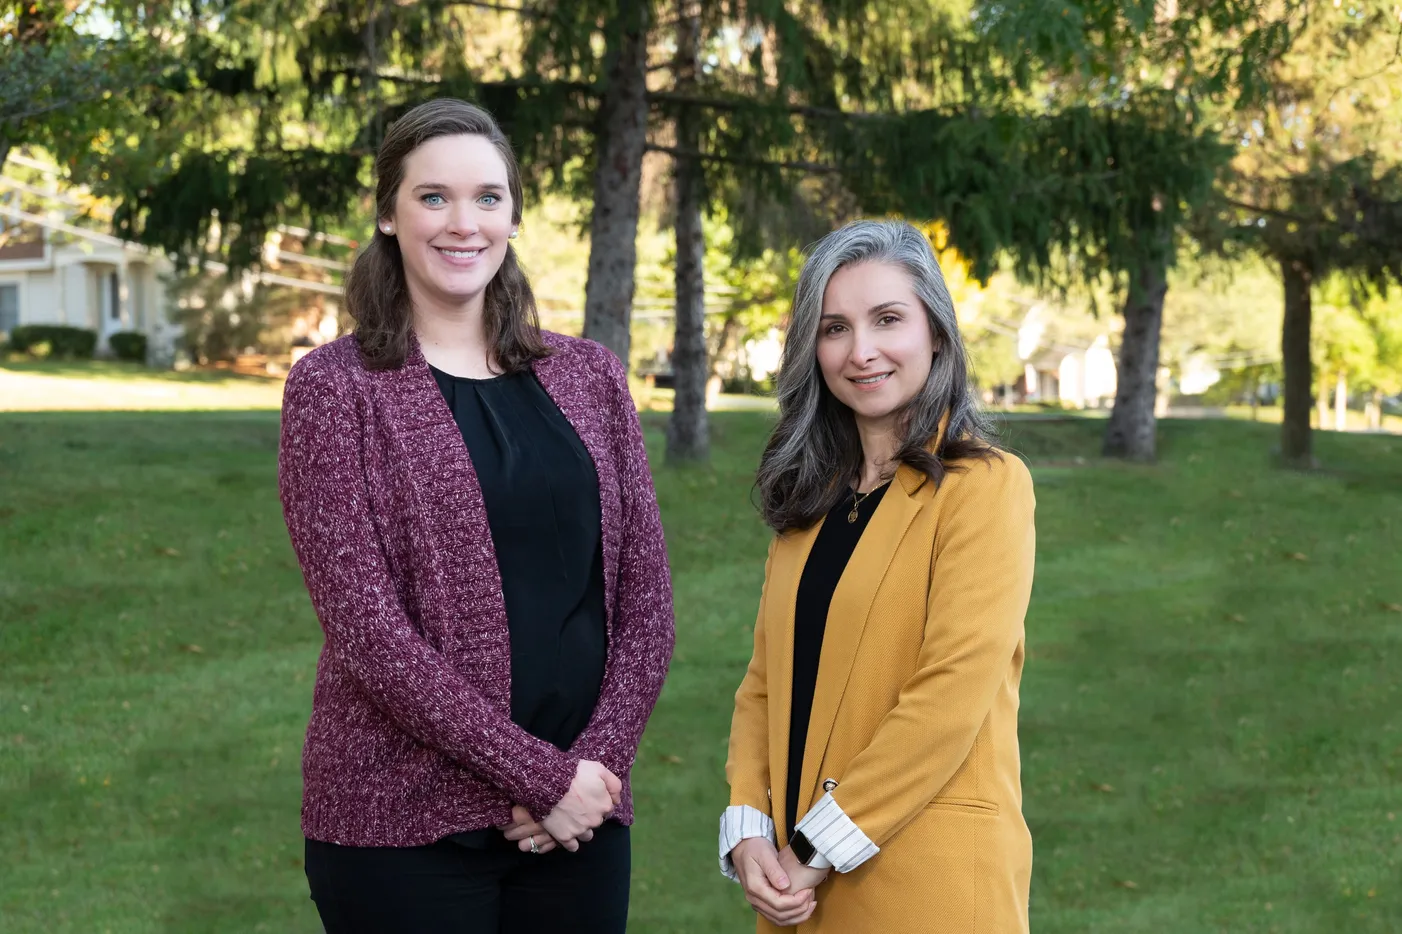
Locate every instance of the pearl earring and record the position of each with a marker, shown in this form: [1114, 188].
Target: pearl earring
[387, 229]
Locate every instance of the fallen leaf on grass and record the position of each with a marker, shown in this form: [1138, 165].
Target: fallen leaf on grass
[1296, 556]
[1127, 884]
[168, 552]
[1236, 617]
[192, 648]
[671, 760]
[1103, 787]
[1392, 607]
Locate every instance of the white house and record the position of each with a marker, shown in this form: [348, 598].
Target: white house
[54, 273]
[1066, 359]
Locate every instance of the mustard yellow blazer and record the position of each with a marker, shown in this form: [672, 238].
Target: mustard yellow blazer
[915, 710]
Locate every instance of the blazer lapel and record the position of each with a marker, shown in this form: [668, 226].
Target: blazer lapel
[847, 617]
[790, 556]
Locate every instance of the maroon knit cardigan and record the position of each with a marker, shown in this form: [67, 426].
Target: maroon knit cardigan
[410, 736]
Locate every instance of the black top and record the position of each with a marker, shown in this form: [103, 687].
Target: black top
[832, 549]
[542, 497]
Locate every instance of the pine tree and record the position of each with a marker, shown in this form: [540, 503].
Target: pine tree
[1152, 80]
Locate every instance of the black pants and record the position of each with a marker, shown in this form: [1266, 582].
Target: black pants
[447, 888]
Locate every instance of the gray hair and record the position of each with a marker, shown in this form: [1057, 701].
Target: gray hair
[815, 453]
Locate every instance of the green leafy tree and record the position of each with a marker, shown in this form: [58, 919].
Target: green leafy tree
[1316, 186]
[59, 77]
[1358, 344]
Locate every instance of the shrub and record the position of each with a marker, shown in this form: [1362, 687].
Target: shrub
[60, 341]
[128, 345]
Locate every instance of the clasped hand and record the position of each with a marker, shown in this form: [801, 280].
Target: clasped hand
[776, 884]
[591, 798]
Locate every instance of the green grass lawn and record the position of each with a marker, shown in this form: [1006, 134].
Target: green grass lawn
[1212, 717]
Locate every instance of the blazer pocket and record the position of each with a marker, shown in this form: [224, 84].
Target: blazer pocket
[964, 806]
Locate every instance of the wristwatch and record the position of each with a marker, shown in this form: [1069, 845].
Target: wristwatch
[806, 852]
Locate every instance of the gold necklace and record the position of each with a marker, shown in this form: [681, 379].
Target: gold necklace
[857, 500]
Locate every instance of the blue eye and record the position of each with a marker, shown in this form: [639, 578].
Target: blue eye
[494, 199]
[432, 194]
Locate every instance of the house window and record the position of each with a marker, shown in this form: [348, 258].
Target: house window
[9, 308]
[114, 292]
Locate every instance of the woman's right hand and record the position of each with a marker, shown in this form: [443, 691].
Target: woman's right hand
[592, 796]
[757, 864]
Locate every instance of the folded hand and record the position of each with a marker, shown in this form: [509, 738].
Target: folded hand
[524, 829]
[800, 876]
[591, 798]
[770, 889]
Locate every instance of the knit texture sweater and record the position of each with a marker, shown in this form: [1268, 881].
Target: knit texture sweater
[410, 737]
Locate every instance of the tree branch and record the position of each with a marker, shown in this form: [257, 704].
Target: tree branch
[512, 83]
[525, 11]
[817, 168]
[721, 103]
[1270, 212]
[1354, 82]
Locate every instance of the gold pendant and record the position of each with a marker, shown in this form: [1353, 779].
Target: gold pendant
[852, 516]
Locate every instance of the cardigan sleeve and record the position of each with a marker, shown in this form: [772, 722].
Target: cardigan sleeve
[643, 631]
[981, 581]
[369, 636]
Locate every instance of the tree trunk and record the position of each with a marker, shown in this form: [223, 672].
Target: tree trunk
[1321, 399]
[370, 74]
[619, 140]
[1296, 442]
[1341, 402]
[724, 334]
[688, 432]
[1131, 432]
[4, 148]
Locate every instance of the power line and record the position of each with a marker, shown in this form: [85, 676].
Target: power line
[266, 278]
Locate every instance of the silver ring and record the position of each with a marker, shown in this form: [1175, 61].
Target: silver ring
[534, 849]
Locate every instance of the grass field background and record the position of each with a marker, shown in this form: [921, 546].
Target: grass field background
[1211, 722]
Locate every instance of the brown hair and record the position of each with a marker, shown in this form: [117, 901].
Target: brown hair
[377, 295]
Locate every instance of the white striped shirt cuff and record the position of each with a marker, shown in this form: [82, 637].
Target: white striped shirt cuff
[740, 822]
[833, 835]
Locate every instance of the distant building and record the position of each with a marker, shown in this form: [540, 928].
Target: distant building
[1065, 365]
[84, 279]
[53, 271]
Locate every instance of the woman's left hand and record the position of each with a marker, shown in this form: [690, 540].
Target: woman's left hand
[800, 876]
[524, 828]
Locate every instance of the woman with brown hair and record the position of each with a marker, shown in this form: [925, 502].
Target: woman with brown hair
[470, 502]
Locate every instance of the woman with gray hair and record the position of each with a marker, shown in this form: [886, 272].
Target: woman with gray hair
[875, 731]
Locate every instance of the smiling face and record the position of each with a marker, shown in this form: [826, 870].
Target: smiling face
[452, 217]
[875, 343]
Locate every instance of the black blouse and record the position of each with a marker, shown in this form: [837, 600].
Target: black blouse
[832, 549]
[542, 497]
